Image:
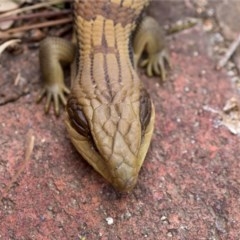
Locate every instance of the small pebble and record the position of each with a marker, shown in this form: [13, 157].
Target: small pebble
[109, 220]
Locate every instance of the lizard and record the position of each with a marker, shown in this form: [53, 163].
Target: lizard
[109, 113]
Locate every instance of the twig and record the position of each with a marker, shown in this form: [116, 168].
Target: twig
[63, 30]
[35, 15]
[5, 36]
[228, 53]
[28, 151]
[39, 25]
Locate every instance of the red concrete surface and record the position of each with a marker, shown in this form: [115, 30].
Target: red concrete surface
[189, 185]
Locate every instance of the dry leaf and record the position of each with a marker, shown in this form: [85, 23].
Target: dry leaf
[8, 43]
[8, 5]
[231, 116]
[5, 6]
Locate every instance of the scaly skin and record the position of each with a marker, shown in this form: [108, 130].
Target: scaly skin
[110, 116]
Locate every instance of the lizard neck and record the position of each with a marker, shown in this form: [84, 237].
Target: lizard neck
[103, 29]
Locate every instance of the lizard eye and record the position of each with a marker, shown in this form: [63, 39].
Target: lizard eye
[78, 120]
[145, 109]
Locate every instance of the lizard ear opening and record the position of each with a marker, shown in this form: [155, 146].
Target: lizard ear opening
[78, 120]
[145, 109]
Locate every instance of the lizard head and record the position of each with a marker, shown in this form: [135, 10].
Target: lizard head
[113, 138]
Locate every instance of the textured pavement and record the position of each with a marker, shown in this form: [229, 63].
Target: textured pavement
[188, 187]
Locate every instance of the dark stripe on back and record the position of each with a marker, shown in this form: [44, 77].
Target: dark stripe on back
[105, 66]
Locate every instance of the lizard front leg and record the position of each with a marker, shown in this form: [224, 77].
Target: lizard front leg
[149, 39]
[54, 52]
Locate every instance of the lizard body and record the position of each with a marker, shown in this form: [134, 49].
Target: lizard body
[110, 116]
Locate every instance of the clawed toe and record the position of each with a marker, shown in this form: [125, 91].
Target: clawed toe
[156, 64]
[55, 94]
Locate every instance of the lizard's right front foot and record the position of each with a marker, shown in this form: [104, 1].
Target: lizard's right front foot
[55, 93]
[53, 52]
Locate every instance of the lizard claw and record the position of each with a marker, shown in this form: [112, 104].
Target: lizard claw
[156, 64]
[54, 93]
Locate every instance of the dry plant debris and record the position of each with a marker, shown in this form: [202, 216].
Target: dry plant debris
[22, 18]
[231, 115]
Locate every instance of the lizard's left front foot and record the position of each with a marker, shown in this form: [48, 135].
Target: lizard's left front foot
[156, 64]
[149, 40]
